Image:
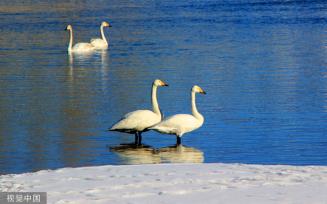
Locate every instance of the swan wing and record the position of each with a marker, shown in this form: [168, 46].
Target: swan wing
[136, 121]
[83, 47]
[177, 124]
[93, 39]
[98, 43]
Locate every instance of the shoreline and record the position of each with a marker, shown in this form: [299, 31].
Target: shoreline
[179, 183]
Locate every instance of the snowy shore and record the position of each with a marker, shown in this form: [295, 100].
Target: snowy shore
[176, 183]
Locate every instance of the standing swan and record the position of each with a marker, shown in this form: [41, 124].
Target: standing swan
[79, 47]
[182, 123]
[101, 43]
[138, 121]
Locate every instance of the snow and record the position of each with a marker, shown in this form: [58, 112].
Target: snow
[176, 183]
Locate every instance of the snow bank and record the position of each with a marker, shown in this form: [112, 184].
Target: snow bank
[176, 183]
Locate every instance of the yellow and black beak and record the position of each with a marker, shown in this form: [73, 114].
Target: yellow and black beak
[202, 92]
[164, 84]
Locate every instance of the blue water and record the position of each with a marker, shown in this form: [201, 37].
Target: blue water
[262, 64]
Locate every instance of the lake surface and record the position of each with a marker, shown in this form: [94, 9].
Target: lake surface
[262, 63]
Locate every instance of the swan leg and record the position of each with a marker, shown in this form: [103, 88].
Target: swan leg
[178, 140]
[139, 139]
[136, 137]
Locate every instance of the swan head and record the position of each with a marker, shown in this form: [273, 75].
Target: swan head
[197, 89]
[105, 24]
[159, 82]
[69, 27]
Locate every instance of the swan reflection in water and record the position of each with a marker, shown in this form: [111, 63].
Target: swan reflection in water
[80, 58]
[134, 154]
[99, 57]
[181, 154]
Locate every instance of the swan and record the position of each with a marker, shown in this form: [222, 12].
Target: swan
[138, 121]
[182, 123]
[101, 43]
[79, 47]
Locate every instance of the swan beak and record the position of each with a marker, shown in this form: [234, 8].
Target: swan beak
[203, 92]
[164, 84]
[109, 26]
[65, 28]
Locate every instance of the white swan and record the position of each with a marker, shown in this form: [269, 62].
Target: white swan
[182, 123]
[101, 43]
[79, 47]
[138, 121]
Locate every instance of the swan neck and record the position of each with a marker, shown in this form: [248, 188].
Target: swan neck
[70, 40]
[195, 111]
[155, 105]
[102, 34]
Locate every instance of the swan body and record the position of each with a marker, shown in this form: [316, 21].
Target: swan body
[138, 121]
[178, 124]
[182, 123]
[78, 47]
[101, 43]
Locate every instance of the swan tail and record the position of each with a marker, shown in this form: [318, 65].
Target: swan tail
[121, 130]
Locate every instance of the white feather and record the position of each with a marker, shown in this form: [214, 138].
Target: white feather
[78, 47]
[140, 120]
[137, 120]
[100, 43]
[82, 47]
[178, 124]
[182, 123]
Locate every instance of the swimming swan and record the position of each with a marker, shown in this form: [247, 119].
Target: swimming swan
[138, 121]
[101, 43]
[79, 47]
[182, 123]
